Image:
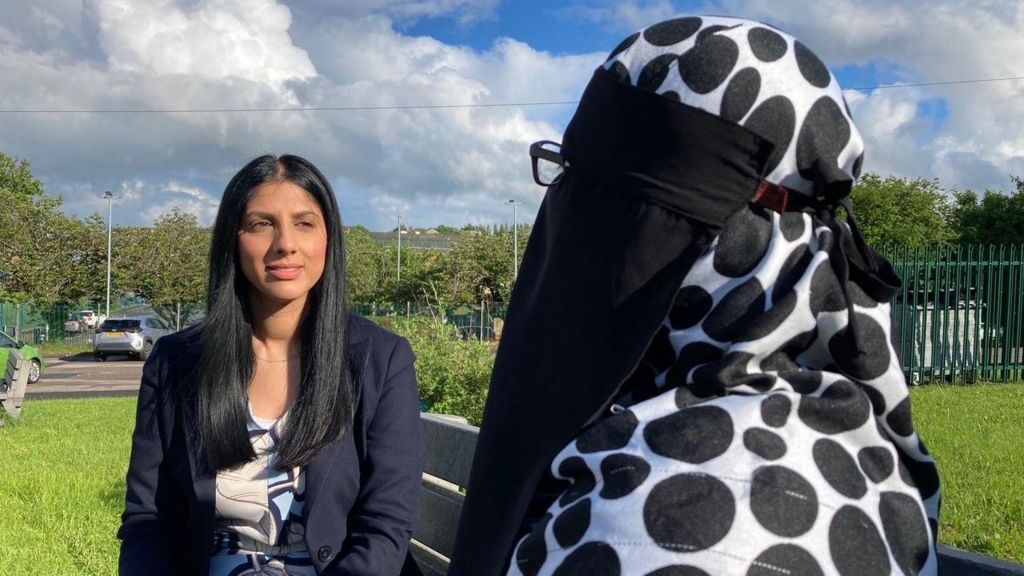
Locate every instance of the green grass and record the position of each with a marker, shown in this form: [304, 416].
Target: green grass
[62, 486]
[57, 349]
[974, 433]
[62, 477]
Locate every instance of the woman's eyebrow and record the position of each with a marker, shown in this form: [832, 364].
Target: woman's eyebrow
[271, 216]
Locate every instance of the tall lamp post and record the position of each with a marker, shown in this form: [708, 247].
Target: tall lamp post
[515, 241]
[110, 197]
[399, 250]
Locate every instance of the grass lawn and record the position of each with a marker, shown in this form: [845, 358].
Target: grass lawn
[62, 477]
[57, 348]
[974, 433]
[62, 472]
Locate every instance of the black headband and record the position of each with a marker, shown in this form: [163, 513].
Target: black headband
[678, 155]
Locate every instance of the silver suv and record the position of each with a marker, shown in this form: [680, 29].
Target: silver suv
[133, 336]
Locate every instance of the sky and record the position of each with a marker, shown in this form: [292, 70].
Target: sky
[455, 166]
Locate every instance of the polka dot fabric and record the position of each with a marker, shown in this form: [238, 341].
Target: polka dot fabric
[753, 75]
[767, 429]
[740, 463]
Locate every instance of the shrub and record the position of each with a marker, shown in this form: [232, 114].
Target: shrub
[453, 372]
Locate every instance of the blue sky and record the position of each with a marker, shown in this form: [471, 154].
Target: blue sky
[557, 29]
[446, 166]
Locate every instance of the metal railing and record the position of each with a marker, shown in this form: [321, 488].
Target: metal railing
[482, 321]
[960, 314]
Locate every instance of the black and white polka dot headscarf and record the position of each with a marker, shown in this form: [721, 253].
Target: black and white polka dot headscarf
[767, 429]
[756, 76]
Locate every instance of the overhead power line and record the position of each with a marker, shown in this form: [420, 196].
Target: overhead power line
[423, 106]
[946, 83]
[283, 109]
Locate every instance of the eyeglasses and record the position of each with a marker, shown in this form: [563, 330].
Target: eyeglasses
[548, 163]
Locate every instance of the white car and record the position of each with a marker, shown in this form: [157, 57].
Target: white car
[90, 319]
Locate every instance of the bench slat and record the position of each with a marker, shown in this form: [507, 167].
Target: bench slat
[953, 561]
[448, 448]
[430, 563]
[440, 508]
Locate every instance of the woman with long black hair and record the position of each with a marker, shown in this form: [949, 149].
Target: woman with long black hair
[280, 435]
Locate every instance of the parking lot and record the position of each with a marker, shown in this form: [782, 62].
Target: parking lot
[82, 376]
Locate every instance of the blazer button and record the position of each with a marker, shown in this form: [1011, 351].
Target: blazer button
[324, 553]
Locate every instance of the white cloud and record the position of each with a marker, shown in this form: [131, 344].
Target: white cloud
[189, 199]
[448, 165]
[246, 39]
[980, 143]
[452, 165]
[130, 190]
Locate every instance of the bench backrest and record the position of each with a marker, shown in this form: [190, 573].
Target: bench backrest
[448, 444]
[12, 384]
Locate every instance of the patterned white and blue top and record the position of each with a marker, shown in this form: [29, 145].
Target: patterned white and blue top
[260, 531]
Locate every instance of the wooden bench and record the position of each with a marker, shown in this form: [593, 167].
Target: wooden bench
[12, 385]
[449, 444]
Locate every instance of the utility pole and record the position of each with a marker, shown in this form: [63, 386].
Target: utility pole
[515, 242]
[399, 250]
[110, 197]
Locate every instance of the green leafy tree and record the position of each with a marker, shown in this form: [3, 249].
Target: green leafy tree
[166, 264]
[421, 268]
[363, 256]
[16, 177]
[453, 372]
[481, 265]
[902, 211]
[994, 218]
[45, 255]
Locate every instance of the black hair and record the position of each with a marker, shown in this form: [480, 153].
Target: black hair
[323, 409]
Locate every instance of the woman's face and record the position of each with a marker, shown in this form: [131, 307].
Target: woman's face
[282, 244]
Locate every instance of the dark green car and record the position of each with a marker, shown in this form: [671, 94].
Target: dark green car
[31, 353]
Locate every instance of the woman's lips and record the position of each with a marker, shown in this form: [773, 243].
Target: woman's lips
[284, 272]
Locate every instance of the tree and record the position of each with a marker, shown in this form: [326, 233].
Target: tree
[370, 269]
[902, 211]
[166, 264]
[479, 264]
[16, 177]
[993, 219]
[45, 255]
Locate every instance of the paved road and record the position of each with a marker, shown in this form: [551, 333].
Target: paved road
[83, 377]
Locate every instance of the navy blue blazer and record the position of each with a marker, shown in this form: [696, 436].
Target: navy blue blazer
[361, 491]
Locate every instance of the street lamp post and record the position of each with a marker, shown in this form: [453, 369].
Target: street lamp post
[399, 250]
[515, 241]
[110, 197]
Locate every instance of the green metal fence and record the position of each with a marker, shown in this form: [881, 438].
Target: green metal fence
[482, 321]
[36, 323]
[960, 315]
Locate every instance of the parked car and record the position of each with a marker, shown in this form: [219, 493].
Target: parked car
[133, 336]
[91, 319]
[73, 325]
[31, 353]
